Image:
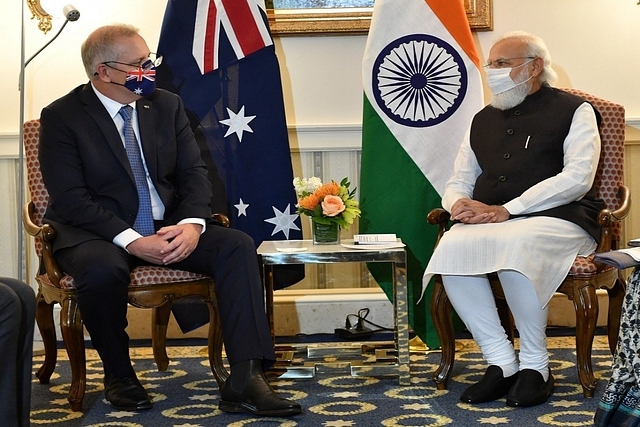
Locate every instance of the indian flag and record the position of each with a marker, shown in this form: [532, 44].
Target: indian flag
[422, 87]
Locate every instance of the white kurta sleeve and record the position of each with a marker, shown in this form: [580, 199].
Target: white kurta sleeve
[581, 156]
[465, 172]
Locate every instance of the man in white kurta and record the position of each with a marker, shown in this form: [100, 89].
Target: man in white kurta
[522, 199]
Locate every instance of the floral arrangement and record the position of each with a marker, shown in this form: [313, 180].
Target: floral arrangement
[326, 203]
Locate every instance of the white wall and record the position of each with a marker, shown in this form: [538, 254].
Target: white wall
[595, 45]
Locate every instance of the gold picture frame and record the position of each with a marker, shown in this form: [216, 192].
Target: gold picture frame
[350, 20]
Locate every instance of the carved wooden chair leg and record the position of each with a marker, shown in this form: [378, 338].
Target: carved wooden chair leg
[586, 305]
[160, 321]
[441, 312]
[73, 336]
[44, 318]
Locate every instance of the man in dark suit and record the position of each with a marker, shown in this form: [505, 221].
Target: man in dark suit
[102, 195]
[17, 319]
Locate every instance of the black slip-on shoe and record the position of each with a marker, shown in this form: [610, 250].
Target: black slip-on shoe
[530, 389]
[492, 386]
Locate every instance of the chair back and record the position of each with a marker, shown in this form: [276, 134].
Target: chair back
[37, 190]
[609, 176]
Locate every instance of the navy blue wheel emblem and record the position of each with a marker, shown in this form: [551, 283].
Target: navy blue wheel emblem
[419, 80]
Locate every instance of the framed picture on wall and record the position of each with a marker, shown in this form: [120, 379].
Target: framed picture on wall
[331, 17]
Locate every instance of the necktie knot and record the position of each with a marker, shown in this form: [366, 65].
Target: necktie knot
[126, 112]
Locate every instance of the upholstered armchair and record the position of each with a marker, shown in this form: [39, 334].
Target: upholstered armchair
[152, 287]
[585, 276]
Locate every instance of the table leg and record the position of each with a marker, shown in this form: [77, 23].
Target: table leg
[268, 289]
[401, 322]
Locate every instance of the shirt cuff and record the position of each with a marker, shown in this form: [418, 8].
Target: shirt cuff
[514, 207]
[125, 238]
[198, 221]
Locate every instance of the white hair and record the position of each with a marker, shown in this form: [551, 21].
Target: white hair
[534, 47]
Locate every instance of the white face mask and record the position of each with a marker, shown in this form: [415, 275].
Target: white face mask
[499, 79]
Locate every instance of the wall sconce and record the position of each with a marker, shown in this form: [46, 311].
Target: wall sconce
[44, 18]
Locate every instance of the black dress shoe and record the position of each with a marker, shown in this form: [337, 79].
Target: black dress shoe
[530, 389]
[247, 390]
[492, 386]
[127, 394]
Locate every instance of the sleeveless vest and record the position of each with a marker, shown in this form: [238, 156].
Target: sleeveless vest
[522, 146]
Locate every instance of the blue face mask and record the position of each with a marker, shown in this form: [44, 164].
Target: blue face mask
[141, 81]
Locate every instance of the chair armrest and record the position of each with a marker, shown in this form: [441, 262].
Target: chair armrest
[439, 217]
[222, 219]
[625, 195]
[30, 227]
[607, 217]
[47, 234]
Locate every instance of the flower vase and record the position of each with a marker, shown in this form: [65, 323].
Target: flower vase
[325, 234]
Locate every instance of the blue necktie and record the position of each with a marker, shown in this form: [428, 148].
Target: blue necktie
[144, 219]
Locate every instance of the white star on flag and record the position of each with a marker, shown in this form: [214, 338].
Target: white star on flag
[242, 208]
[238, 123]
[283, 221]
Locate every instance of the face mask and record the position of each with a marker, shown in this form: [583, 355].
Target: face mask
[140, 81]
[499, 79]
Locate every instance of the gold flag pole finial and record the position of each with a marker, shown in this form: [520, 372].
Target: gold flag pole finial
[37, 11]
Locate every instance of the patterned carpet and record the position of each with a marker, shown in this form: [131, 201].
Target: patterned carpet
[187, 395]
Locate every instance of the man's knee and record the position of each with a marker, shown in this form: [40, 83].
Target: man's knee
[100, 275]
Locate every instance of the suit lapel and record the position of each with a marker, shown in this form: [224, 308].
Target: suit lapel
[96, 110]
[146, 125]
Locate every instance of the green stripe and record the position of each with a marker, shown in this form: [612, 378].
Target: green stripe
[395, 197]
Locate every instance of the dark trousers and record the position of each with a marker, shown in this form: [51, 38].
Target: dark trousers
[101, 272]
[17, 318]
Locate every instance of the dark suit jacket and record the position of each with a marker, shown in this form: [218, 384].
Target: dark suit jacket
[86, 170]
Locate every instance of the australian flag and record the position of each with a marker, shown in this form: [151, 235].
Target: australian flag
[218, 55]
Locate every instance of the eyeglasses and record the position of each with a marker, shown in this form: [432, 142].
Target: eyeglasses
[504, 62]
[144, 65]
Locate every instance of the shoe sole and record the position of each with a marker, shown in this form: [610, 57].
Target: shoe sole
[144, 407]
[236, 407]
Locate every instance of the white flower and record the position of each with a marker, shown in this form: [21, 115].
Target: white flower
[305, 186]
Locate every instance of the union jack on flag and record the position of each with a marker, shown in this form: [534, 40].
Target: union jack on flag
[139, 73]
[242, 24]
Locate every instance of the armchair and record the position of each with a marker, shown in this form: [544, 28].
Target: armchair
[151, 287]
[585, 276]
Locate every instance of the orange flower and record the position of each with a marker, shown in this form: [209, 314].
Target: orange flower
[310, 202]
[332, 205]
[330, 189]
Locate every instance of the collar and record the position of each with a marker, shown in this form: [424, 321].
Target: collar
[112, 107]
[533, 101]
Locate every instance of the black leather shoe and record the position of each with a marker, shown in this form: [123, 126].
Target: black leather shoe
[127, 394]
[530, 389]
[492, 386]
[247, 390]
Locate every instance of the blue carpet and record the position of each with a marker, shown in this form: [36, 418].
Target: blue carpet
[187, 395]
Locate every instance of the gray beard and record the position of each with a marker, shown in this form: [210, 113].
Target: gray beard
[511, 97]
[514, 96]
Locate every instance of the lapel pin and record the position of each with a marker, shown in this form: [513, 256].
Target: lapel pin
[146, 107]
